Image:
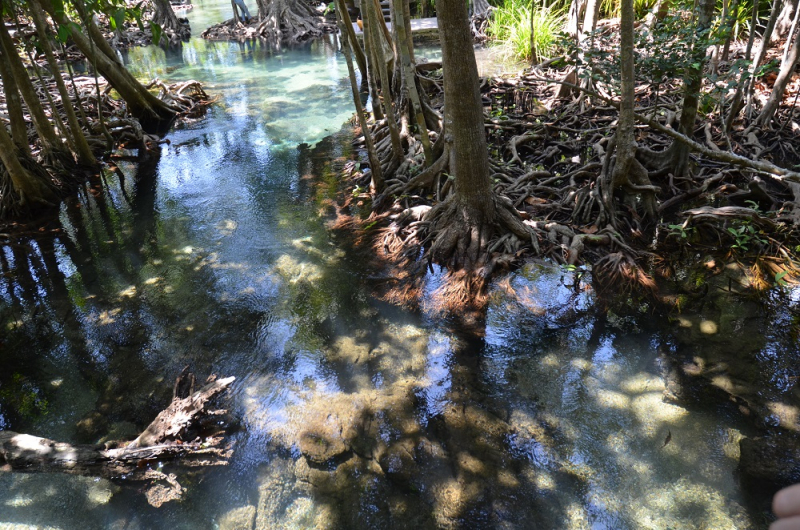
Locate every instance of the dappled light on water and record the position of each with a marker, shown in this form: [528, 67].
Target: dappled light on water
[586, 398]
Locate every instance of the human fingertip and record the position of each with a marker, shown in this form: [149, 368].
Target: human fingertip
[792, 523]
[787, 501]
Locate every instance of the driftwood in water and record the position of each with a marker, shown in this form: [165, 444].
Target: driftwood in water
[174, 436]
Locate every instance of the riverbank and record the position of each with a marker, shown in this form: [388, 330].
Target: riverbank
[726, 348]
[111, 133]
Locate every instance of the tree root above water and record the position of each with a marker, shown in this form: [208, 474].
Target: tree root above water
[550, 162]
[286, 23]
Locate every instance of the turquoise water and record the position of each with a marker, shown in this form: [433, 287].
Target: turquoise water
[213, 252]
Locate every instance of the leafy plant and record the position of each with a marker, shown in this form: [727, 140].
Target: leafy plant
[611, 8]
[682, 231]
[667, 51]
[157, 32]
[511, 24]
[744, 235]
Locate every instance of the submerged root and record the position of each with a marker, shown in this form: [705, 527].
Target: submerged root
[468, 243]
[471, 244]
[461, 292]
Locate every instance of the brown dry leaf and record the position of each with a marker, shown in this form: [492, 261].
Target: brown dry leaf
[534, 201]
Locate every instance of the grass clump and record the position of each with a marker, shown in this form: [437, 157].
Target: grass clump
[512, 22]
[610, 8]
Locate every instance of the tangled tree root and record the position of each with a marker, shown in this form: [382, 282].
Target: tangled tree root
[552, 168]
[285, 23]
[188, 97]
[470, 244]
[618, 275]
[107, 126]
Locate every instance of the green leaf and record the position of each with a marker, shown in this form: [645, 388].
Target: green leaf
[118, 19]
[779, 278]
[157, 32]
[63, 33]
[58, 7]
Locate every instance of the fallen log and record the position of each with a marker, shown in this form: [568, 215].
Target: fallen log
[186, 433]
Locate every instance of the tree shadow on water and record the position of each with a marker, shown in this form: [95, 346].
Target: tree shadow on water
[401, 461]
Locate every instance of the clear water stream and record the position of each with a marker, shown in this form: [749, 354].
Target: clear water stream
[215, 254]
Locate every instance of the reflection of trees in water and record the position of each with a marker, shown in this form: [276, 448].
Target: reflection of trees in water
[409, 463]
[492, 455]
[76, 300]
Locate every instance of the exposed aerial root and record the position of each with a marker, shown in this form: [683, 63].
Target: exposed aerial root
[107, 125]
[282, 23]
[617, 275]
[424, 180]
[557, 195]
[188, 97]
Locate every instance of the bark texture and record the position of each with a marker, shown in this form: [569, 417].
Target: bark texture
[761, 52]
[463, 111]
[464, 223]
[691, 93]
[19, 130]
[51, 144]
[83, 151]
[628, 174]
[572, 25]
[675, 160]
[29, 182]
[792, 57]
[784, 21]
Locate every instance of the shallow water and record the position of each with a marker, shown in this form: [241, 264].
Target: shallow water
[214, 253]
